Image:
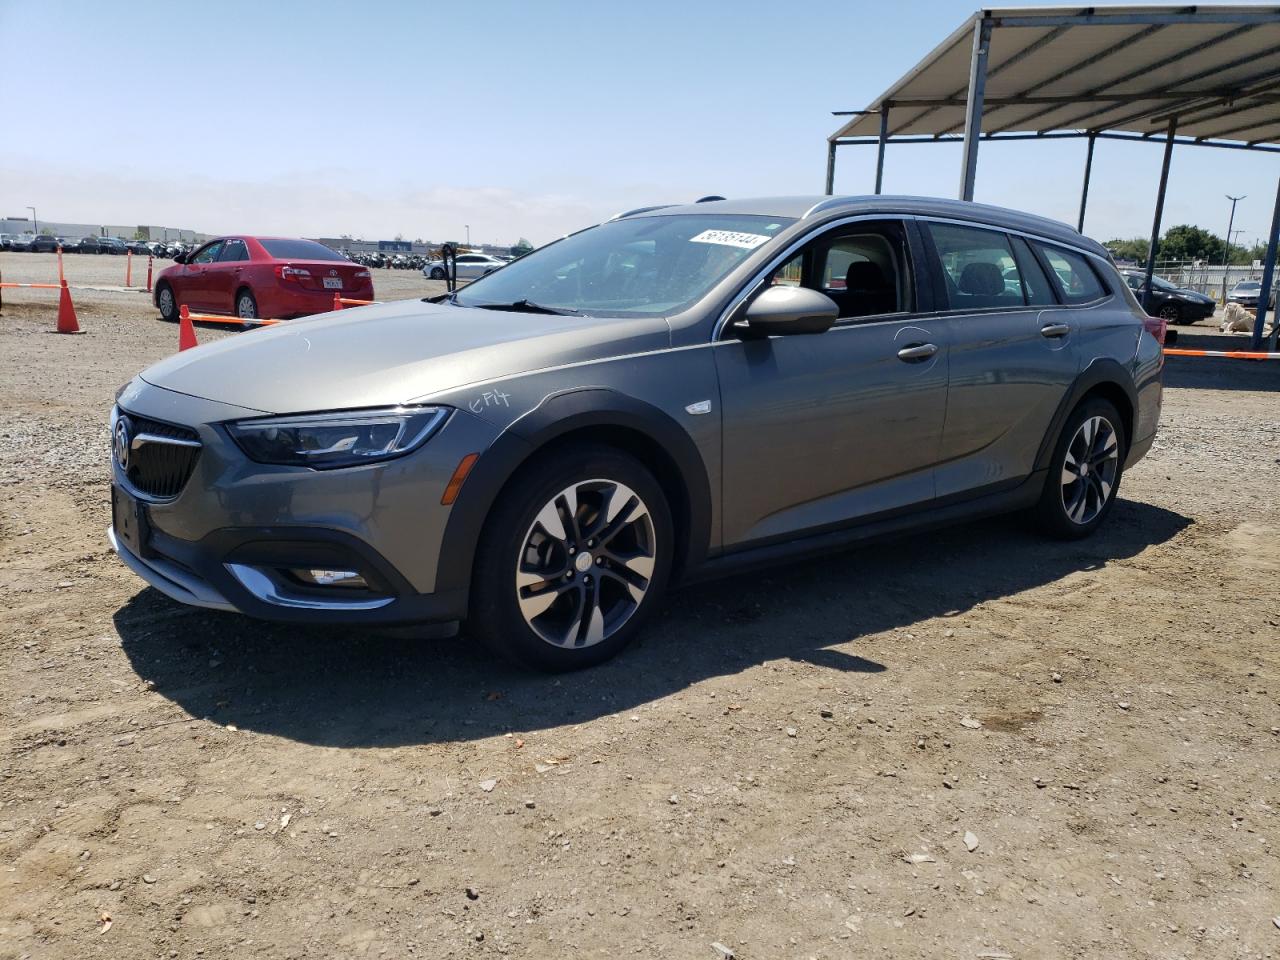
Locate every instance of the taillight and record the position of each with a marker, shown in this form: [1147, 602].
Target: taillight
[363, 275]
[292, 273]
[1156, 326]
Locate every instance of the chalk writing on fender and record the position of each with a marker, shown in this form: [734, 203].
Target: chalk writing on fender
[490, 398]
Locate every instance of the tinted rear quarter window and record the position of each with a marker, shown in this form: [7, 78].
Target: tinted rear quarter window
[1073, 275]
[299, 250]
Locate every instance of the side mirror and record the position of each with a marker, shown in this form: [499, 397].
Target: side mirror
[179, 258]
[784, 310]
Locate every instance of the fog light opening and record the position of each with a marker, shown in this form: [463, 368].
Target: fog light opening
[315, 577]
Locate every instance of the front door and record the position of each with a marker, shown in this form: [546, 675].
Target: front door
[222, 277]
[195, 293]
[825, 429]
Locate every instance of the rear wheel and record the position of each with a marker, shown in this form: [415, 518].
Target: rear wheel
[246, 305]
[1085, 472]
[167, 303]
[437, 273]
[573, 559]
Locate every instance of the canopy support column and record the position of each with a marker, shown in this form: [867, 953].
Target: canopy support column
[1155, 223]
[1088, 171]
[831, 166]
[1268, 275]
[973, 108]
[884, 138]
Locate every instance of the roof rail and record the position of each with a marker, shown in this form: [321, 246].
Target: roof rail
[827, 204]
[638, 210]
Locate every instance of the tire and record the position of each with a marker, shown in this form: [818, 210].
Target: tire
[534, 544]
[437, 273]
[246, 306]
[1076, 501]
[1170, 312]
[167, 302]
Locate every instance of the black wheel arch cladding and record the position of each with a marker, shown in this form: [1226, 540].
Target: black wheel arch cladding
[587, 413]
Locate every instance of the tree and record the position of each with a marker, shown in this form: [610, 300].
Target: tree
[1135, 249]
[522, 247]
[1186, 242]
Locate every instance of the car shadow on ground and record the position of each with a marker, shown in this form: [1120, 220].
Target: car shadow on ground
[350, 688]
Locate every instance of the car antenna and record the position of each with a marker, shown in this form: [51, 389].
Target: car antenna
[708, 199]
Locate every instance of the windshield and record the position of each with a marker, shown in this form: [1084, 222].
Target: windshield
[641, 267]
[1249, 285]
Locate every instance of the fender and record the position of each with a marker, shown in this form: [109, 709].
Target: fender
[558, 415]
[1099, 371]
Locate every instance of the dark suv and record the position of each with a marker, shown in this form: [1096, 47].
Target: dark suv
[682, 391]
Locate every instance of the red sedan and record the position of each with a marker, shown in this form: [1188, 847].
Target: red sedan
[250, 277]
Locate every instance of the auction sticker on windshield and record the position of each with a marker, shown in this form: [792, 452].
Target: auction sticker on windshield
[730, 238]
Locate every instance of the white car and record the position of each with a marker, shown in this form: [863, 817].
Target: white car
[470, 266]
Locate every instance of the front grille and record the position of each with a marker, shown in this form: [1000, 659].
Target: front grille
[158, 468]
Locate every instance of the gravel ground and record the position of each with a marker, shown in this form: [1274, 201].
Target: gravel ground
[965, 744]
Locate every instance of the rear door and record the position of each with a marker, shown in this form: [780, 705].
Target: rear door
[826, 429]
[1013, 355]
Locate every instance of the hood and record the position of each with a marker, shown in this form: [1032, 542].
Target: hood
[391, 353]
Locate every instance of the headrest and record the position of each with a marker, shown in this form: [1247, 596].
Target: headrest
[982, 279]
[863, 275]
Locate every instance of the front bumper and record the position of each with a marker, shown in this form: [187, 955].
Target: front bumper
[237, 532]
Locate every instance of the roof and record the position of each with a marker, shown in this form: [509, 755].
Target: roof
[1216, 68]
[805, 207]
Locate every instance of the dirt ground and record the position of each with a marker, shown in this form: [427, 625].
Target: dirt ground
[796, 766]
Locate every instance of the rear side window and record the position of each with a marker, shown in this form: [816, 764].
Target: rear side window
[1076, 280]
[978, 267]
[300, 250]
[233, 251]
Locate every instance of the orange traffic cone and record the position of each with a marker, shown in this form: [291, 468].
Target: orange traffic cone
[67, 322]
[337, 300]
[186, 332]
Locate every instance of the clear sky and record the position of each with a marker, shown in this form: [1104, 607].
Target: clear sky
[517, 118]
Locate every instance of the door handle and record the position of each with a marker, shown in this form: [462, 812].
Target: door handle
[917, 352]
[1055, 329]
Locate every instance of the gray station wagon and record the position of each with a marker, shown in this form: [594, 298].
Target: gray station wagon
[676, 393]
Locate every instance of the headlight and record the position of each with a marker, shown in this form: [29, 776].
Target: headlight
[328, 440]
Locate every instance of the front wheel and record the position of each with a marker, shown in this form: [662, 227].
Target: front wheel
[1170, 313]
[167, 303]
[1084, 473]
[573, 560]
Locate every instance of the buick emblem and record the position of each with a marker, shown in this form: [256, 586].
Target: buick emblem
[120, 442]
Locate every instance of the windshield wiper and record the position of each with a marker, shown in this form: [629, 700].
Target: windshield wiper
[527, 306]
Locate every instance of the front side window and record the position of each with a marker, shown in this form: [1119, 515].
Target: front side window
[1074, 277]
[208, 253]
[978, 268]
[644, 266]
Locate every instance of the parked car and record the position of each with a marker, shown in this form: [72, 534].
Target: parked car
[113, 245]
[1175, 304]
[20, 242]
[44, 244]
[678, 392]
[253, 277]
[5, 240]
[470, 266]
[1247, 293]
[88, 245]
[137, 248]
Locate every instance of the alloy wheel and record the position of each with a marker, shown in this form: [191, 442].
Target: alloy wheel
[1089, 470]
[586, 563]
[246, 309]
[1171, 313]
[166, 302]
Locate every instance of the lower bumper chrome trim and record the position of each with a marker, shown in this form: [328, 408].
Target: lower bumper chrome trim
[169, 579]
[265, 589]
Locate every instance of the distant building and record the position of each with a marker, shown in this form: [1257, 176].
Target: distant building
[74, 231]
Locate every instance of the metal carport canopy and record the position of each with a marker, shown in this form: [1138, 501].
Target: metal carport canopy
[1201, 75]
